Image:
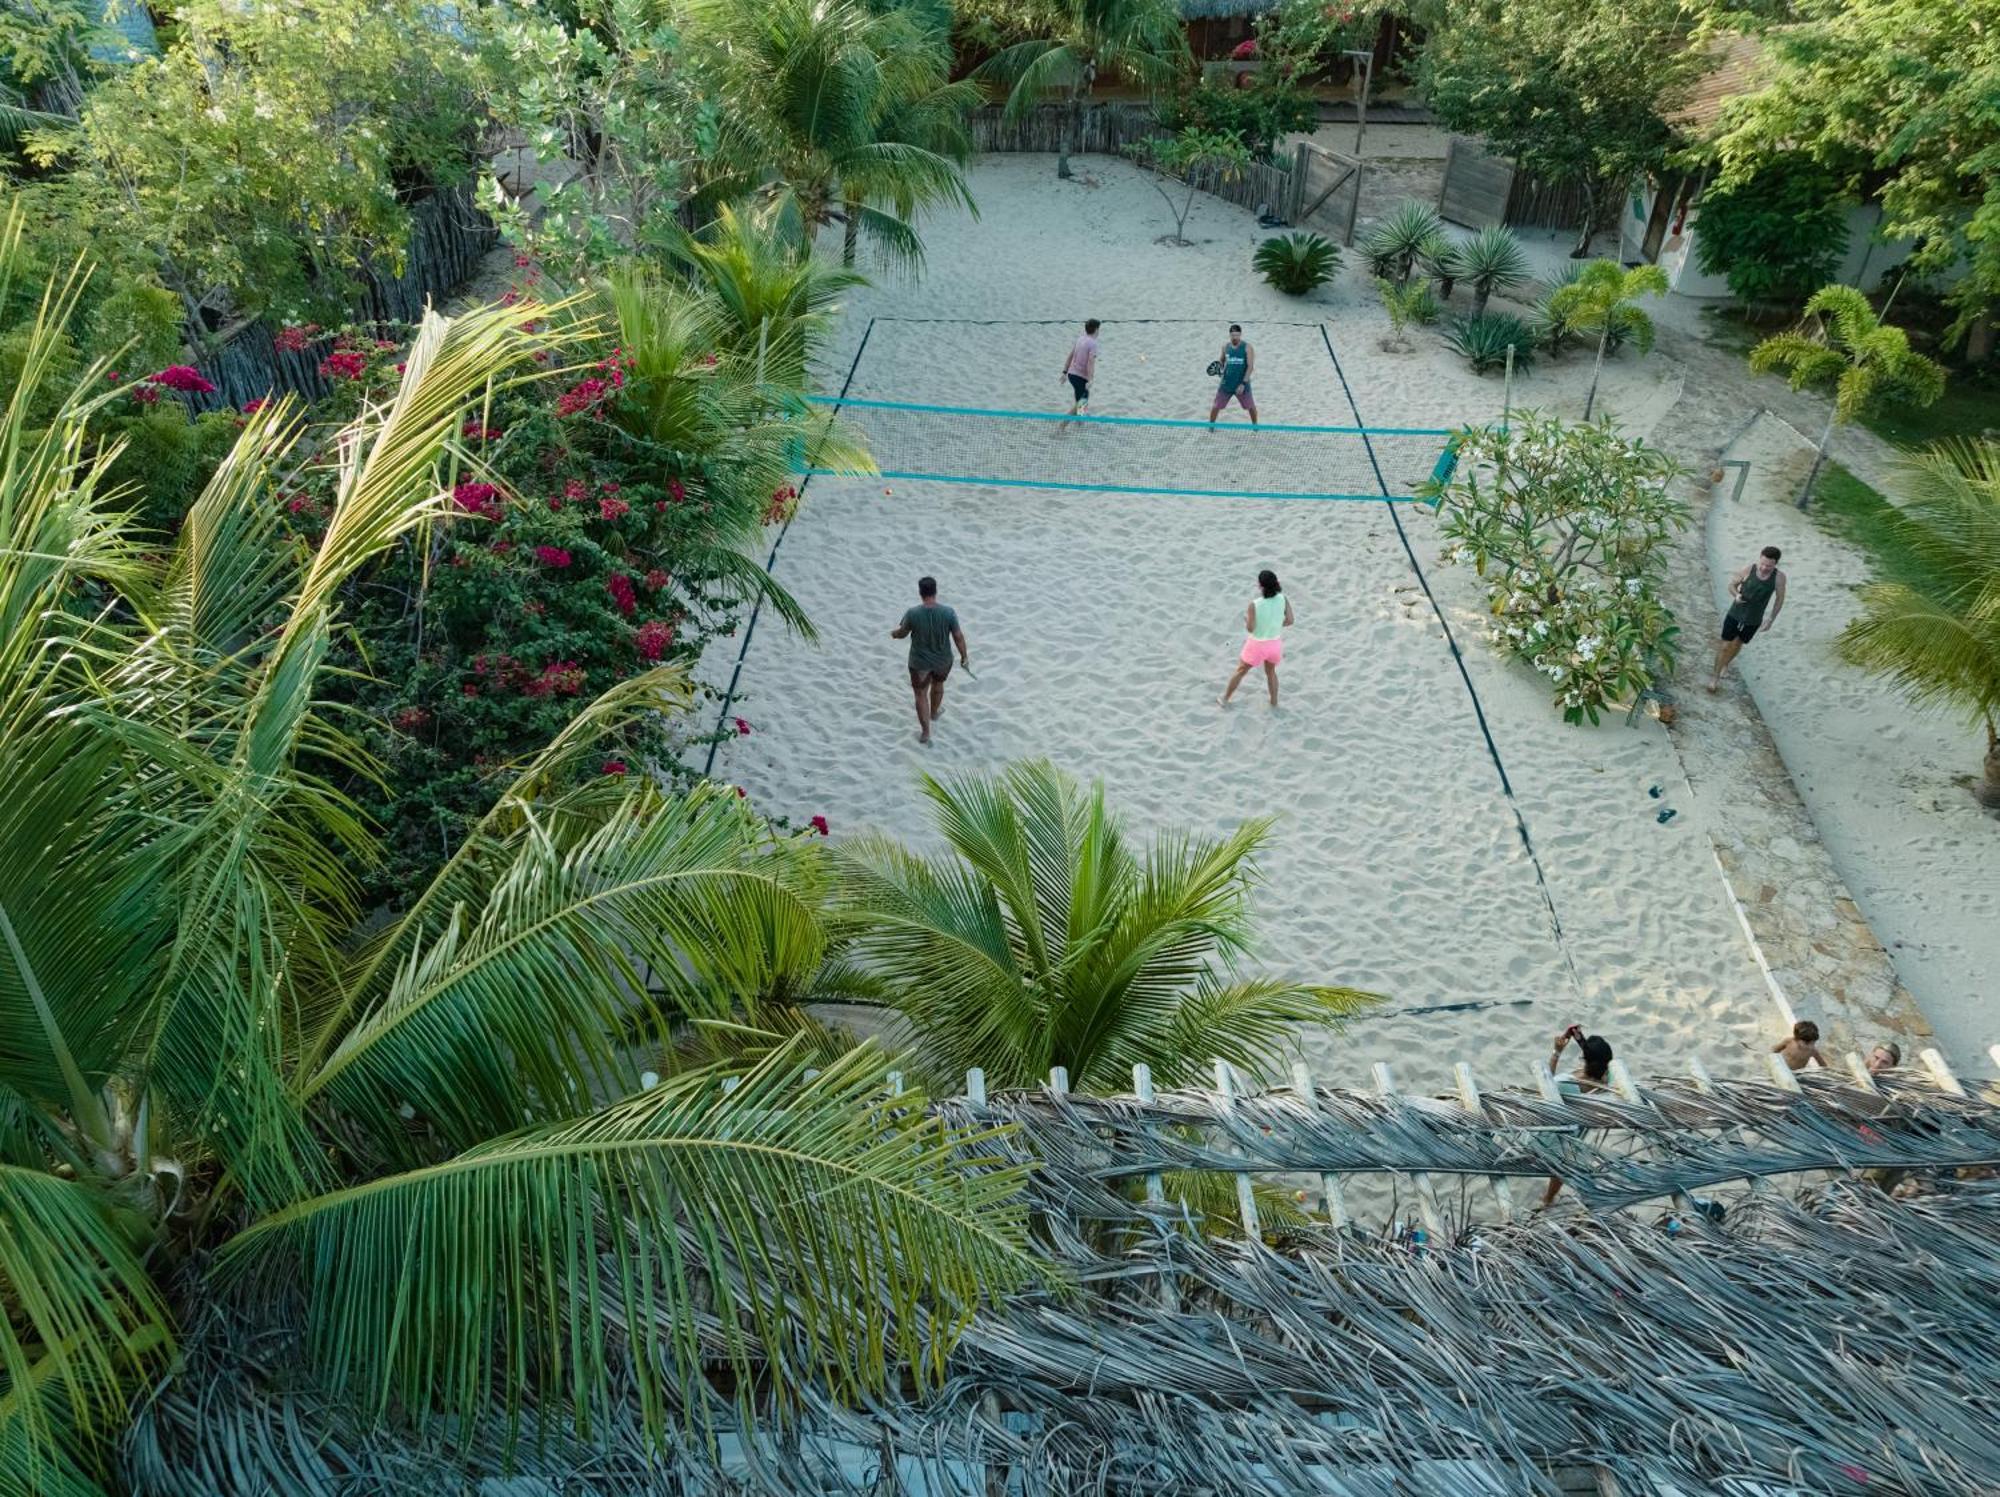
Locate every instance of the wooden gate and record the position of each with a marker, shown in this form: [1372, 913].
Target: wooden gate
[1330, 192]
[1476, 185]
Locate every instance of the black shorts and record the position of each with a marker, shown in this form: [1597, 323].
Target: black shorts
[1736, 631]
[1082, 387]
[920, 677]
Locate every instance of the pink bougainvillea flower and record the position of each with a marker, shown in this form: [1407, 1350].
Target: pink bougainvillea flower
[344, 363]
[818, 824]
[675, 491]
[477, 431]
[612, 509]
[552, 556]
[656, 579]
[615, 766]
[575, 488]
[501, 548]
[741, 793]
[111, 375]
[183, 377]
[146, 394]
[558, 678]
[469, 689]
[252, 407]
[742, 728]
[410, 719]
[622, 592]
[1245, 50]
[581, 396]
[477, 499]
[299, 503]
[294, 336]
[653, 639]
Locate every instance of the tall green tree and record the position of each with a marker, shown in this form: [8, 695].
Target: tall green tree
[1898, 99]
[1842, 346]
[1073, 43]
[1045, 938]
[837, 113]
[1778, 236]
[209, 1055]
[1602, 298]
[1573, 91]
[1935, 632]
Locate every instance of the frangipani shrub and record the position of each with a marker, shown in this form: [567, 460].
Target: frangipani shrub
[1566, 524]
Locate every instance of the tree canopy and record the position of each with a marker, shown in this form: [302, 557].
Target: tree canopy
[1900, 98]
[1572, 92]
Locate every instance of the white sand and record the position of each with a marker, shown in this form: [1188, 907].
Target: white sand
[1883, 781]
[1101, 627]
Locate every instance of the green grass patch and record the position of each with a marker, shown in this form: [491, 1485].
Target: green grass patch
[1849, 510]
[1969, 406]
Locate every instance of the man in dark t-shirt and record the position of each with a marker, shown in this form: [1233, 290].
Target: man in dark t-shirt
[932, 629]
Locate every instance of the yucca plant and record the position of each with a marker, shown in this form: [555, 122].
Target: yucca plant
[1484, 340]
[1443, 262]
[1492, 260]
[221, 1075]
[1936, 634]
[1844, 346]
[1395, 245]
[1297, 264]
[1601, 299]
[1045, 938]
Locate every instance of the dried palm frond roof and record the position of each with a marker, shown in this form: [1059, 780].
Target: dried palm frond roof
[1700, 1330]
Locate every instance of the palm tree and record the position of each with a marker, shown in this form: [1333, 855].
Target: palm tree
[214, 1066]
[1046, 940]
[1600, 298]
[1936, 630]
[838, 113]
[1842, 344]
[1084, 41]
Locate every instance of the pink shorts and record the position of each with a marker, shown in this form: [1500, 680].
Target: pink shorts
[1262, 651]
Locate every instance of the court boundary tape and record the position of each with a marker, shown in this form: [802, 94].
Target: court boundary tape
[1464, 675]
[1113, 488]
[770, 570]
[857, 403]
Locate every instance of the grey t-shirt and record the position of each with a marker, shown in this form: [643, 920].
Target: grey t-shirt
[930, 626]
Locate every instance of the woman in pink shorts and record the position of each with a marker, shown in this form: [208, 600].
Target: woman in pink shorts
[1266, 618]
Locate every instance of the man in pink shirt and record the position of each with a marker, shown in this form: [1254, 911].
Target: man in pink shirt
[1082, 366]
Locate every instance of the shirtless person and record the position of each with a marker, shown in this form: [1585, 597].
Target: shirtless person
[1802, 1048]
[1751, 590]
[932, 629]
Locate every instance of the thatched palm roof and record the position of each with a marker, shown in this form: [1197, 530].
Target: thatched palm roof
[1824, 1336]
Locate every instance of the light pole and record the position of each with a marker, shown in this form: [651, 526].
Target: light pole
[1364, 71]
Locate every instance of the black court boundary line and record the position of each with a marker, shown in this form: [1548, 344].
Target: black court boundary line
[1458, 659]
[770, 567]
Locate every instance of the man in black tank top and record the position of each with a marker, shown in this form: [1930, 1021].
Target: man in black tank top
[1757, 588]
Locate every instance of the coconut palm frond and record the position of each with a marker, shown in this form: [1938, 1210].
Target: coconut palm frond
[675, 907]
[84, 1326]
[843, 1233]
[1936, 654]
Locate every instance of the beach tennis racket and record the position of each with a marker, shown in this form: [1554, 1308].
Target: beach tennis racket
[1215, 366]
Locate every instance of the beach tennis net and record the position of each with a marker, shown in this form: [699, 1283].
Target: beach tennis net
[1142, 454]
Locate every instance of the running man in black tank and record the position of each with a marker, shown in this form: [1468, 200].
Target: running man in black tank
[1757, 588]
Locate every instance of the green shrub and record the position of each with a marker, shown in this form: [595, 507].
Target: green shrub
[1259, 113]
[1405, 305]
[168, 458]
[1443, 262]
[1568, 528]
[59, 374]
[1297, 263]
[1485, 338]
[1778, 236]
[138, 326]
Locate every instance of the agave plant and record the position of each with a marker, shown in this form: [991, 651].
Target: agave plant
[1492, 261]
[1398, 242]
[1485, 338]
[1297, 263]
[1045, 938]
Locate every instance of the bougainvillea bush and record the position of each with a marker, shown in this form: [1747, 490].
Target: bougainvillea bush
[1566, 524]
[606, 517]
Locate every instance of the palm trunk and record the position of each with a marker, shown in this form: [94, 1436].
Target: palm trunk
[1480, 293]
[1819, 457]
[1589, 222]
[1987, 791]
[851, 234]
[1603, 340]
